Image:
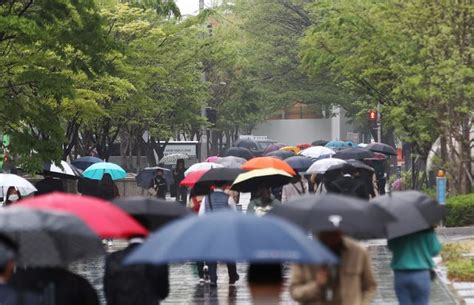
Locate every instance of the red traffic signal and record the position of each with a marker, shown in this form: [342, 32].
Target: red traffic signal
[372, 116]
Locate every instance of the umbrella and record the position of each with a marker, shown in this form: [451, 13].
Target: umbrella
[213, 159]
[303, 146]
[201, 166]
[414, 210]
[173, 158]
[356, 153]
[360, 165]
[96, 171]
[239, 237]
[231, 162]
[239, 152]
[145, 177]
[151, 212]
[319, 143]
[329, 212]
[64, 170]
[293, 149]
[321, 166]
[316, 152]
[83, 163]
[339, 144]
[191, 179]
[21, 184]
[247, 143]
[47, 238]
[273, 147]
[268, 177]
[281, 154]
[382, 148]
[268, 162]
[299, 164]
[218, 175]
[105, 219]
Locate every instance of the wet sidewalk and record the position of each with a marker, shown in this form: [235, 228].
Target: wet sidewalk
[184, 287]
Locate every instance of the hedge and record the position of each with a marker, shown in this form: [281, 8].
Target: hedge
[460, 211]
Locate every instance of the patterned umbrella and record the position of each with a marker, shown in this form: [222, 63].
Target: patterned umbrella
[232, 162]
[62, 170]
[171, 159]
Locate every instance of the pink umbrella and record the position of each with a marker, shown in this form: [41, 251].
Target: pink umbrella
[213, 159]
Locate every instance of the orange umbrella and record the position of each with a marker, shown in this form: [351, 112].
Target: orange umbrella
[268, 162]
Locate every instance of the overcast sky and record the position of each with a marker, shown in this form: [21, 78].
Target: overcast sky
[191, 7]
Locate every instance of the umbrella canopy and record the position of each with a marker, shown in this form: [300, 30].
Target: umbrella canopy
[213, 159]
[329, 212]
[356, 153]
[303, 146]
[414, 210]
[63, 170]
[293, 149]
[105, 219]
[321, 166]
[299, 164]
[240, 237]
[145, 177]
[218, 175]
[151, 212]
[319, 143]
[247, 143]
[96, 171]
[21, 184]
[268, 162]
[47, 238]
[273, 147]
[382, 148]
[268, 177]
[239, 152]
[316, 152]
[191, 179]
[201, 166]
[231, 162]
[83, 163]
[281, 154]
[360, 165]
[173, 158]
[339, 144]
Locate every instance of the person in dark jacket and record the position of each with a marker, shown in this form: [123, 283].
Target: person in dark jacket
[9, 295]
[178, 176]
[136, 284]
[57, 285]
[49, 185]
[160, 185]
[107, 188]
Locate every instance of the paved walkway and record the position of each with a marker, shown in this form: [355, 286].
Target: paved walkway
[185, 289]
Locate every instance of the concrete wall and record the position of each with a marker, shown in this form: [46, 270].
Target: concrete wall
[294, 132]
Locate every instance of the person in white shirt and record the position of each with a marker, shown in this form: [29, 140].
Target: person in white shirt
[297, 187]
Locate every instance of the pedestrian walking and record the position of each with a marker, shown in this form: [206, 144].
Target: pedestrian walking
[12, 196]
[159, 184]
[107, 189]
[49, 185]
[136, 284]
[178, 176]
[265, 282]
[350, 283]
[217, 200]
[297, 187]
[412, 265]
[261, 202]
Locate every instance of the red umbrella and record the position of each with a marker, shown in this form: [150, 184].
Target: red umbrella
[304, 146]
[104, 218]
[191, 179]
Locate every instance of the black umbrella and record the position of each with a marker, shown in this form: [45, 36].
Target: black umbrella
[62, 170]
[239, 152]
[247, 143]
[281, 154]
[329, 212]
[145, 177]
[299, 163]
[382, 148]
[320, 143]
[351, 164]
[414, 210]
[218, 175]
[151, 212]
[356, 153]
[83, 163]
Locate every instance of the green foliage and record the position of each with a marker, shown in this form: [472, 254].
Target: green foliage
[457, 258]
[460, 210]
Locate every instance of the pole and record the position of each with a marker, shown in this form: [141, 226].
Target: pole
[379, 124]
[201, 5]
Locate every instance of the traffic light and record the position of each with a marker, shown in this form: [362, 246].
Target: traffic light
[372, 115]
[211, 115]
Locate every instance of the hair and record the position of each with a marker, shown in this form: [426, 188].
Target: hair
[5, 199]
[107, 180]
[221, 183]
[265, 274]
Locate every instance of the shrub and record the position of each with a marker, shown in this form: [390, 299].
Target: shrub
[461, 270]
[460, 211]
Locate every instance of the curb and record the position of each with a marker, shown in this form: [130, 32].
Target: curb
[455, 231]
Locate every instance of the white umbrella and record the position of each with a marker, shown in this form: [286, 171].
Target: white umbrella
[201, 166]
[22, 185]
[316, 152]
[172, 158]
[321, 166]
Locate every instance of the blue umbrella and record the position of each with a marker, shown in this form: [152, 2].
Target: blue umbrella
[339, 144]
[145, 177]
[299, 163]
[96, 171]
[83, 163]
[230, 237]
